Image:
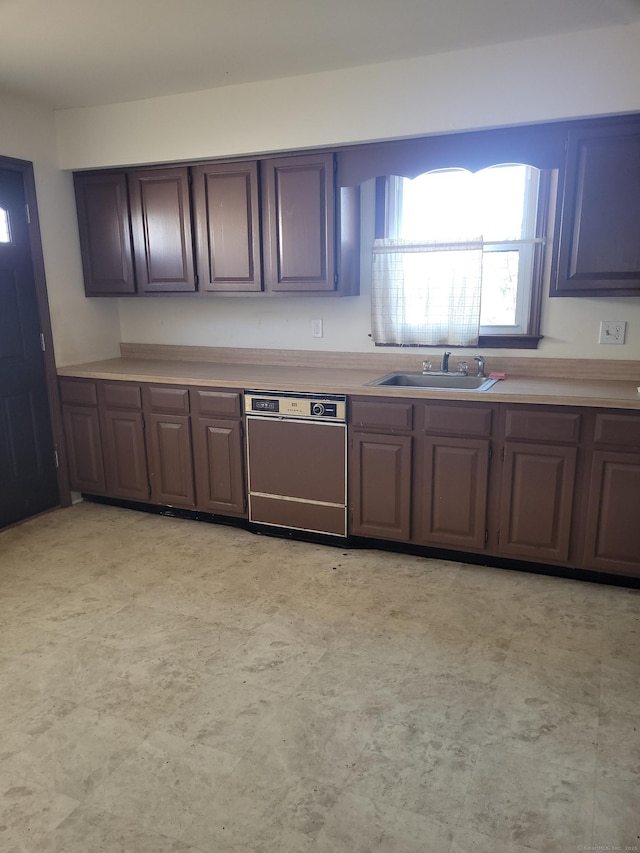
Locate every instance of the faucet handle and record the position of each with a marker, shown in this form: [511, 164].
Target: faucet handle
[480, 360]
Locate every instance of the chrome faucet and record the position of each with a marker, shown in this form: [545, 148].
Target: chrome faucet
[480, 360]
[445, 362]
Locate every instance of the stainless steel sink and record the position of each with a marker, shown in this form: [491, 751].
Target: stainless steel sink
[452, 381]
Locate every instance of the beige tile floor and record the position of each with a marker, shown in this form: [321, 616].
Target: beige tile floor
[168, 686]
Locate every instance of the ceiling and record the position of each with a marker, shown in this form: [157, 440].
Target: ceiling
[73, 53]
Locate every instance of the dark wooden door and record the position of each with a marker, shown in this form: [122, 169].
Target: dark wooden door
[537, 501]
[455, 475]
[612, 542]
[380, 485]
[227, 214]
[599, 249]
[170, 459]
[299, 220]
[28, 478]
[161, 227]
[219, 469]
[102, 202]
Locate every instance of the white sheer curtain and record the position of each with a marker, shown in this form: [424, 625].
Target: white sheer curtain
[426, 292]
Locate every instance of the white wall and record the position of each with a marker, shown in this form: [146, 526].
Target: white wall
[575, 75]
[82, 329]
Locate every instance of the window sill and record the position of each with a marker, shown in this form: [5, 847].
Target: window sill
[487, 342]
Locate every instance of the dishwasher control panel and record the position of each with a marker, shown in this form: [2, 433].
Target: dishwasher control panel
[282, 404]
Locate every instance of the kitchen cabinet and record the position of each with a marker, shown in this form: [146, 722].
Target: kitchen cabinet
[169, 447]
[612, 541]
[162, 230]
[82, 435]
[597, 232]
[102, 201]
[227, 218]
[452, 491]
[299, 220]
[123, 440]
[274, 227]
[380, 469]
[540, 455]
[218, 451]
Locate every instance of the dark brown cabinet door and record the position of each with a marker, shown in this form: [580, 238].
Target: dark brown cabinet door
[299, 219]
[536, 501]
[84, 449]
[124, 455]
[380, 485]
[454, 492]
[219, 470]
[612, 541]
[105, 233]
[161, 227]
[599, 245]
[170, 459]
[227, 218]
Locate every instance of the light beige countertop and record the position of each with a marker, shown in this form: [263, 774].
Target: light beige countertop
[578, 383]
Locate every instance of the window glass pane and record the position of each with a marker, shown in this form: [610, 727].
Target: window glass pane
[499, 288]
[5, 236]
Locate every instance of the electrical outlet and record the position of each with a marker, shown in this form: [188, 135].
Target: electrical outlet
[612, 331]
[316, 328]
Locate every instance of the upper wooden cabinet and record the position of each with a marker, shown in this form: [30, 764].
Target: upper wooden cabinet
[598, 229]
[162, 232]
[271, 227]
[102, 201]
[299, 219]
[227, 215]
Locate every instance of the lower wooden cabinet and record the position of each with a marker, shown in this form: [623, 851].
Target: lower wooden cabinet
[170, 459]
[124, 455]
[219, 469]
[380, 485]
[84, 449]
[537, 501]
[453, 492]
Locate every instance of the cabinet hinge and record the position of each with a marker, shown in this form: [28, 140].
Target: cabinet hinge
[27, 214]
[43, 346]
[486, 536]
[196, 278]
[55, 459]
[335, 278]
[190, 179]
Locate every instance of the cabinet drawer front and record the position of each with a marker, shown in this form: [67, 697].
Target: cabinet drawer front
[542, 425]
[618, 429]
[381, 414]
[224, 403]
[120, 395]
[76, 393]
[166, 398]
[458, 420]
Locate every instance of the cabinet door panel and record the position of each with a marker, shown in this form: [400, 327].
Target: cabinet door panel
[537, 500]
[454, 486]
[299, 221]
[84, 449]
[105, 234]
[380, 486]
[170, 459]
[124, 455]
[227, 227]
[613, 516]
[161, 226]
[599, 251]
[219, 471]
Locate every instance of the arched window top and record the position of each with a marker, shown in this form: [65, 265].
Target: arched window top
[5, 232]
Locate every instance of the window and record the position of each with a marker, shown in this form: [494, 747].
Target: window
[5, 234]
[452, 232]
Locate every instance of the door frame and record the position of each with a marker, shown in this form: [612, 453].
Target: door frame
[25, 168]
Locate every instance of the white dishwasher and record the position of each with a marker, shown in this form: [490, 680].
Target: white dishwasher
[296, 460]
